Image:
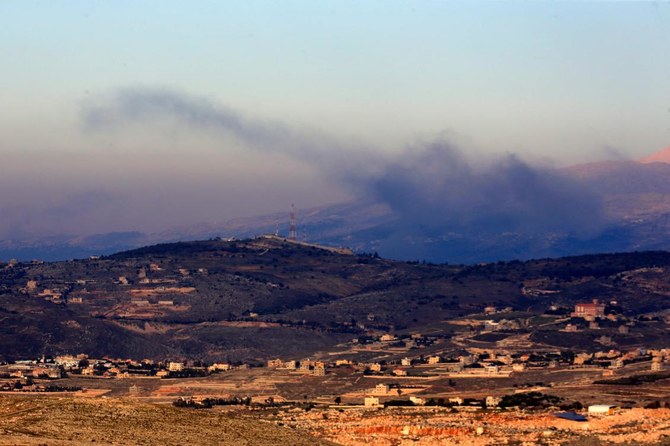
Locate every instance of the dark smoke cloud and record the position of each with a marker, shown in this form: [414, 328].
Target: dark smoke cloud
[431, 189]
[435, 188]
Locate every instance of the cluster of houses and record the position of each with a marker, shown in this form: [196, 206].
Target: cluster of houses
[82, 365]
[162, 284]
[483, 364]
[306, 366]
[467, 364]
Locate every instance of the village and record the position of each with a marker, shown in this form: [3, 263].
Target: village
[538, 397]
[461, 369]
[472, 362]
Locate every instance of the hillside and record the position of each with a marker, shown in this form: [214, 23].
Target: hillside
[267, 297]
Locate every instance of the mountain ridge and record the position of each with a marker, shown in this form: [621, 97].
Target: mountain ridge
[634, 197]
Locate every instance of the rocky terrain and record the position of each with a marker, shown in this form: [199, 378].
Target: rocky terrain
[426, 427]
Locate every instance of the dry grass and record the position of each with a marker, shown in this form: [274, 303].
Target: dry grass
[68, 421]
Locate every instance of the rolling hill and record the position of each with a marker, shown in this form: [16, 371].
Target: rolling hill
[265, 297]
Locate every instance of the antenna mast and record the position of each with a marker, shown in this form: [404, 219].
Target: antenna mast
[292, 232]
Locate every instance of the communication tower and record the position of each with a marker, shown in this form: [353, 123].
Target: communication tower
[292, 231]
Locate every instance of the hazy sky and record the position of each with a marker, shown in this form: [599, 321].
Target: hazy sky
[124, 115]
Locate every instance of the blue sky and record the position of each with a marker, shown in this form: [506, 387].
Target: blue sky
[564, 81]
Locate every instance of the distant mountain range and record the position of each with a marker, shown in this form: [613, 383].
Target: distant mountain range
[634, 196]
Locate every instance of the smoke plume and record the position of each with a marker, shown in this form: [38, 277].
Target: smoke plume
[431, 189]
[132, 106]
[435, 188]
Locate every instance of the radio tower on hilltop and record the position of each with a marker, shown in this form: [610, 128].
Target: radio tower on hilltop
[292, 231]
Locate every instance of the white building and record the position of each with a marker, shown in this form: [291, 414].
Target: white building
[601, 409]
[175, 366]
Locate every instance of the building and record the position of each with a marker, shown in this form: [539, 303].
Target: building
[589, 311]
[69, 361]
[306, 364]
[581, 358]
[380, 389]
[492, 401]
[175, 366]
[601, 409]
[617, 363]
[219, 367]
[371, 401]
[656, 364]
[375, 367]
[275, 363]
[291, 365]
[492, 369]
[49, 372]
